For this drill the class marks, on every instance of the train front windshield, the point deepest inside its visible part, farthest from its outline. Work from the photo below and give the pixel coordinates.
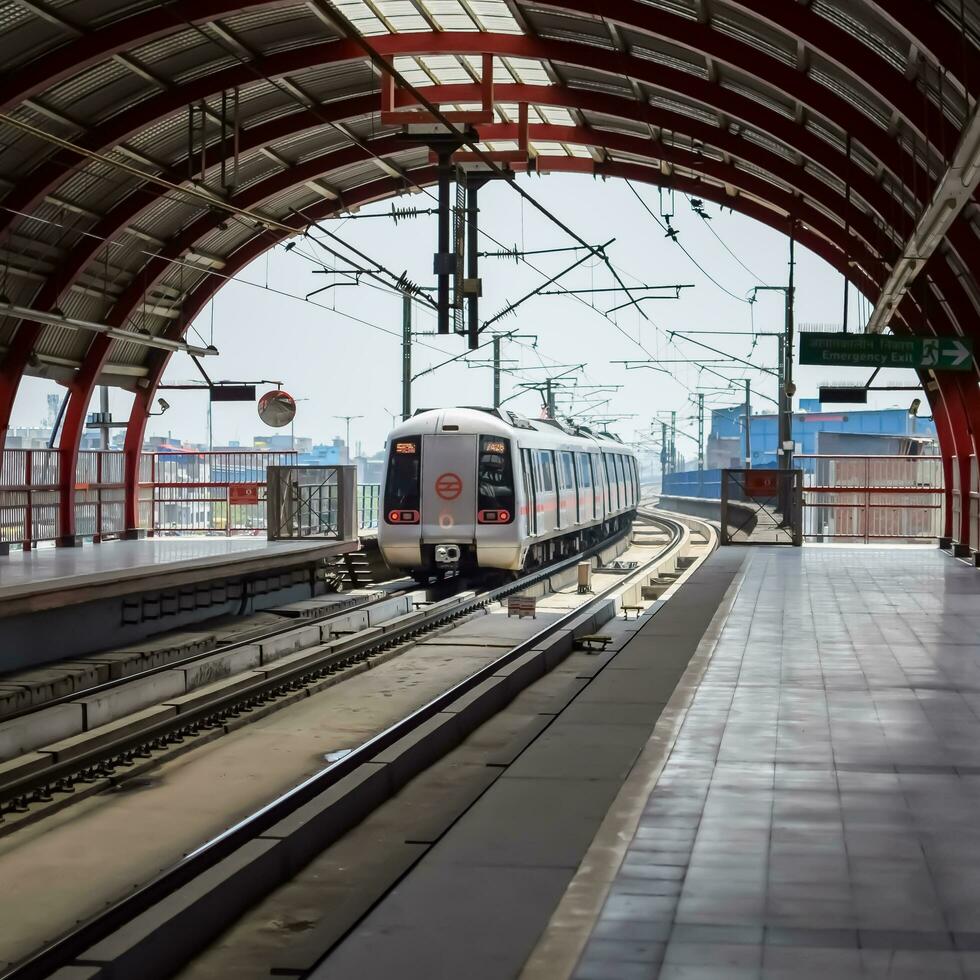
(495, 481)
(402, 483)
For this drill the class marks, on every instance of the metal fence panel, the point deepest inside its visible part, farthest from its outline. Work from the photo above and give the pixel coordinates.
(312, 502)
(761, 506)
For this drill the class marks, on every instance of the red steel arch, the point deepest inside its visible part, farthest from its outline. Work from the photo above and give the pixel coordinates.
(781, 167)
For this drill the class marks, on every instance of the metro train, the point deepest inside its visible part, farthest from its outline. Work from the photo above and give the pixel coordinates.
(482, 488)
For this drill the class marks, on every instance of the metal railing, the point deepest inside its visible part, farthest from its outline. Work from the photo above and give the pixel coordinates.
(179, 494)
(30, 495)
(872, 498)
(368, 504)
(184, 493)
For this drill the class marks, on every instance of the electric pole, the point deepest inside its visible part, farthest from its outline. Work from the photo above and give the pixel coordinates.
(748, 424)
(700, 432)
(663, 454)
(673, 442)
(406, 357)
(347, 419)
(496, 370)
(787, 454)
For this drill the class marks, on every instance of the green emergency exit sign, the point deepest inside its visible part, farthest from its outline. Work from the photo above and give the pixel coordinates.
(879, 350)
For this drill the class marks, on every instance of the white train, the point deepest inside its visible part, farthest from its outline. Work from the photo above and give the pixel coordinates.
(485, 488)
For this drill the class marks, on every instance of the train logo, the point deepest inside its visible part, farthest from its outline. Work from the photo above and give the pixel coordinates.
(449, 486)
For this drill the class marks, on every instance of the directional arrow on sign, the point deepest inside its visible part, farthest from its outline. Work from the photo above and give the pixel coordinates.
(958, 351)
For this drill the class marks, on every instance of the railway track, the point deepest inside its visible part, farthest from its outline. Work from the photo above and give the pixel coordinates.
(96, 759)
(351, 793)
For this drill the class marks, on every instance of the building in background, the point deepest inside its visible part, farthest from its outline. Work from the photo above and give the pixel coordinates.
(866, 432)
(871, 432)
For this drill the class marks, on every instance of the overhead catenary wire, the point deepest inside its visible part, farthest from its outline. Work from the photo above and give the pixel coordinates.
(383, 66)
(265, 224)
(701, 213)
(664, 228)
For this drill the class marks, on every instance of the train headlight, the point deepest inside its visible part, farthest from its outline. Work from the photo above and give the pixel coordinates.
(403, 517)
(493, 517)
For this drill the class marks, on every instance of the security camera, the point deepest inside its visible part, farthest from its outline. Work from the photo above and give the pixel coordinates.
(914, 407)
(164, 404)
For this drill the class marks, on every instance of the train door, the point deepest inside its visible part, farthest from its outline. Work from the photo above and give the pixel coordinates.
(530, 499)
(598, 493)
(449, 488)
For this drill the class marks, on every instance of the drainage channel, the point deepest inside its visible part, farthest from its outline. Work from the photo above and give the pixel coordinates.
(424, 728)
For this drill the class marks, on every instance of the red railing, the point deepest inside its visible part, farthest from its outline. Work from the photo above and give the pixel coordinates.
(211, 492)
(30, 502)
(865, 498)
(208, 492)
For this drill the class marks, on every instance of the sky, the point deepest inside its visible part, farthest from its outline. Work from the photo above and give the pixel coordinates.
(340, 353)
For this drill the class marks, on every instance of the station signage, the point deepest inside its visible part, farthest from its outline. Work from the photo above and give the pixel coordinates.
(880, 350)
(243, 494)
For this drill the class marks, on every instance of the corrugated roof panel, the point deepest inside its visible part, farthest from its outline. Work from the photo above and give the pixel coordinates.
(757, 91)
(826, 130)
(830, 76)
(24, 37)
(311, 143)
(689, 9)
(750, 168)
(22, 151)
(767, 142)
(100, 92)
(668, 55)
(753, 32)
(825, 176)
(674, 104)
(862, 23)
(616, 124)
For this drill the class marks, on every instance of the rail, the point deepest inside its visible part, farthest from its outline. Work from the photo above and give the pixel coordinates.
(179, 493)
(184, 942)
(872, 498)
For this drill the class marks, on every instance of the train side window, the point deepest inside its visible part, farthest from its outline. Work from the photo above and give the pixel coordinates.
(546, 468)
(621, 480)
(610, 502)
(567, 471)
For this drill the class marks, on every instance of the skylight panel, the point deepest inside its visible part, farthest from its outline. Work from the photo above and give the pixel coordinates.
(361, 16)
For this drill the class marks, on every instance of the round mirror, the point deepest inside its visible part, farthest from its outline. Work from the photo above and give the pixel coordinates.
(277, 408)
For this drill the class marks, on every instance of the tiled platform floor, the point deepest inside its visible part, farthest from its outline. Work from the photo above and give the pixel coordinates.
(819, 816)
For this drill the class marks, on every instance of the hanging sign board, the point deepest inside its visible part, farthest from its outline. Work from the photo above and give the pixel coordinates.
(881, 350)
(232, 393)
(842, 395)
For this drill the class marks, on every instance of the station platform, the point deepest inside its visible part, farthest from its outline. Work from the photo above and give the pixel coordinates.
(776, 776)
(58, 602)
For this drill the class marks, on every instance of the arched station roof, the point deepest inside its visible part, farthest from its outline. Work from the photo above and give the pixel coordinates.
(125, 202)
